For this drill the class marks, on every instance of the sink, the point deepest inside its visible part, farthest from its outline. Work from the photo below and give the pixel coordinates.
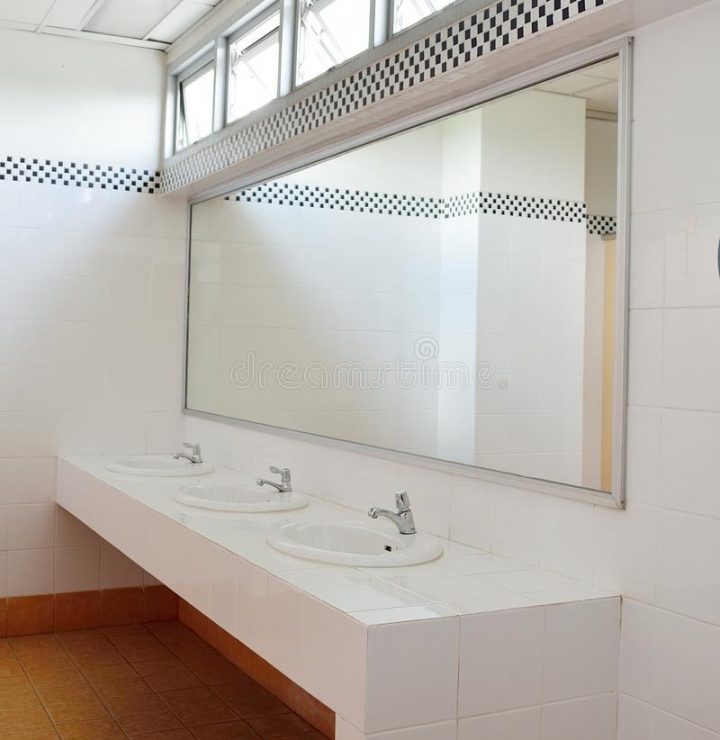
(239, 499)
(157, 465)
(341, 543)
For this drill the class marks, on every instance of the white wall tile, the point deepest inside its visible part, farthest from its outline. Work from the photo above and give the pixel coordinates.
(638, 650)
(71, 532)
(31, 526)
(581, 649)
(668, 727)
(30, 572)
(397, 654)
(117, 570)
(519, 724)
(626, 550)
(592, 718)
(4, 512)
(77, 569)
(3, 574)
(646, 346)
(687, 581)
(691, 359)
(634, 719)
(689, 466)
(501, 656)
(687, 669)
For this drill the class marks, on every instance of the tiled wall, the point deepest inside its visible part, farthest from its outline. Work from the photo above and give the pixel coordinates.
(91, 293)
(662, 552)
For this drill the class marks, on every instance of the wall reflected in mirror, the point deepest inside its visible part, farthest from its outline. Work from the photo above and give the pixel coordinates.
(449, 291)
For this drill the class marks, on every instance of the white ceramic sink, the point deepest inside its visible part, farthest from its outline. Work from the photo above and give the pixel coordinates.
(342, 543)
(158, 465)
(239, 499)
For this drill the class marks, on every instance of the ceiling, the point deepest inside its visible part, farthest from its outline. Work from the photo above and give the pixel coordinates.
(597, 84)
(151, 23)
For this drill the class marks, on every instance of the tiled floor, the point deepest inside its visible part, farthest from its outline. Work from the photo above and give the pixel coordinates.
(159, 681)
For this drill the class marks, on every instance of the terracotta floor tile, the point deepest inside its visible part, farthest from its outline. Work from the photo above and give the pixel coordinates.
(34, 734)
(158, 667)
(75, 693)
(198, 706)
(11, 686)
(128, 687)
(101, 729)
(167, 735)
(66, 677)
(73, 712)
(123, 707)
(143, 724)
(214, 670)
(280, 725)
(23, 720)
(86, 644)
(226, 731)
(172, 633)
(180, 678)
(3, 617)
(123, 630)
(142, 648)
(10, 667)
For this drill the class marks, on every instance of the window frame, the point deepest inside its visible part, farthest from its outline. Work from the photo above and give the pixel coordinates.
(196, 69)
(247, 27)
(391, 18)
(298, 21)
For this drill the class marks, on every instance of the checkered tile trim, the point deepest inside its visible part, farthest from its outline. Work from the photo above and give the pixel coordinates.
(126, 179)
(602, 225)
(492, 28)
(313, 196)
(515, 205)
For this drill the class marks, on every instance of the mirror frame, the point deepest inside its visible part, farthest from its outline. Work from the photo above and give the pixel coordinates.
(615, 498)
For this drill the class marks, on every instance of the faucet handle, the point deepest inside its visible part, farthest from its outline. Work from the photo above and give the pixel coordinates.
(193, 446)
(402, 501)
(284, 472)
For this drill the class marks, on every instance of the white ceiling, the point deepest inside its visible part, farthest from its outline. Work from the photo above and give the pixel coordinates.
(152, 23)
(597, 84)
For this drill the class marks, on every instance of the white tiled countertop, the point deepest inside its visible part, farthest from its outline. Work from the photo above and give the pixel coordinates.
(463, 581)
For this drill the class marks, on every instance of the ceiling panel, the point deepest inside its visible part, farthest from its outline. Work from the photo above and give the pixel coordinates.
(183, 16)
(130, 18)
(24, 11)
(68, 13)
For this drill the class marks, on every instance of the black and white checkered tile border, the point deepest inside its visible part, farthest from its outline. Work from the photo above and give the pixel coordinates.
(514, 205)
(125, 179)
(602, 225)
(314, 196)
(482, 33)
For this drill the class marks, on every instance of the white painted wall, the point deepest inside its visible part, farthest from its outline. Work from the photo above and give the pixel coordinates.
(663, 552)
(91, 293)
(80, 101)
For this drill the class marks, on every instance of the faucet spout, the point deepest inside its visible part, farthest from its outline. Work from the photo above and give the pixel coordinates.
(285, 485)
(402, 518)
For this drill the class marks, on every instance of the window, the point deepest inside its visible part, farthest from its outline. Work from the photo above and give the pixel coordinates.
(330, 32)
(408, 12)
(254, 60)
(196, 93)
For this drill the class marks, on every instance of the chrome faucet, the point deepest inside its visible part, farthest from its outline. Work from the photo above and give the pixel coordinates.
(403, 519)
(285, 485)
(195, 455)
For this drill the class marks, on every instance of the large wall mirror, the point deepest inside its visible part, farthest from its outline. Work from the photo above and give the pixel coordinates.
(455, 291)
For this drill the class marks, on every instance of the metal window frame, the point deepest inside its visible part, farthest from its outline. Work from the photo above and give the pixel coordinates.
(196, 69)
(372, 20)
(244, 29)
(622, 48)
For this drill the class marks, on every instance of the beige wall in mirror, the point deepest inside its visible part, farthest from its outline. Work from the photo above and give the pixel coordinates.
(448, 292)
